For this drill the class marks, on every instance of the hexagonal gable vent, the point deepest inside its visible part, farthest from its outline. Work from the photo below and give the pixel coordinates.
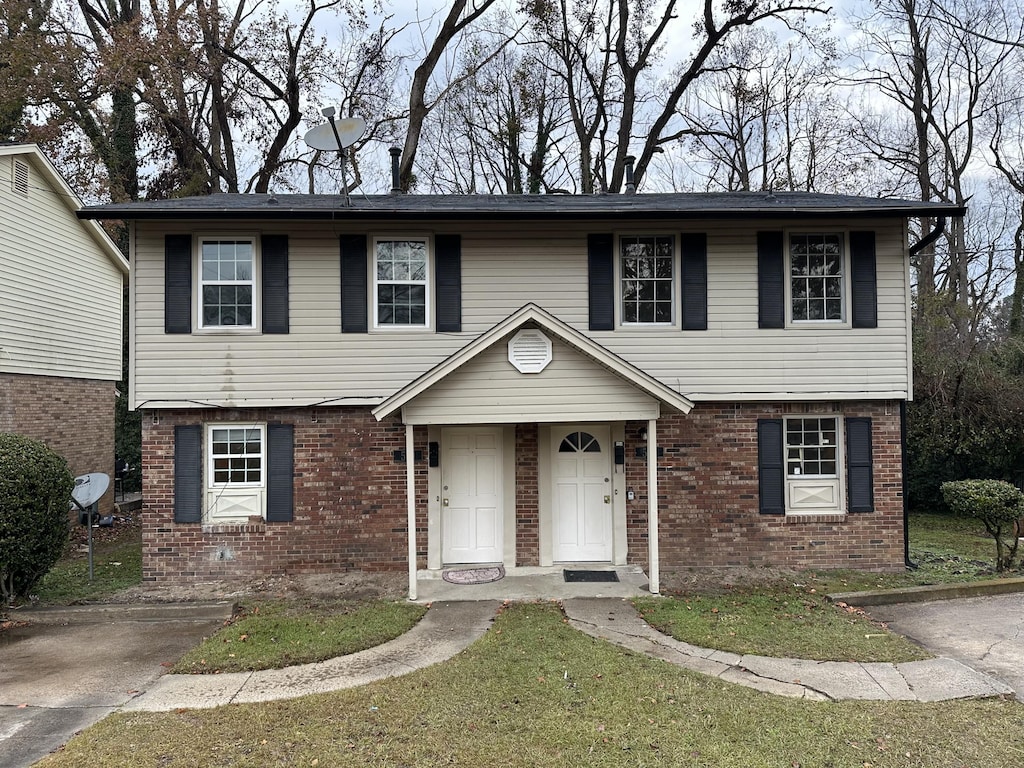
(529, 351)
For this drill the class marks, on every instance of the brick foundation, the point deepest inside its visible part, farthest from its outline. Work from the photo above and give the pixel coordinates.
(350, 503)
(74, 417)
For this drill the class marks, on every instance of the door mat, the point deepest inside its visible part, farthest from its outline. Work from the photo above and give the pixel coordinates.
(474, 575)
(571, 576)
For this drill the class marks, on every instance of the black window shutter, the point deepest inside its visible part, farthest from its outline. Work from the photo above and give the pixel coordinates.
(771, 276)
(177, 283)
(448, 275)
(863, 280)
(694, 280)
(353, 284)
(280, 472)
(859, 466)
(188, 474)
(600, 276)
(770, 467)
(274, 254)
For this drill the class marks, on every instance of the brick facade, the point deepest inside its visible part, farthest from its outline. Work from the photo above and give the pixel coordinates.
(349, 493)
(74, 417)
(708, 495)
(351, 512)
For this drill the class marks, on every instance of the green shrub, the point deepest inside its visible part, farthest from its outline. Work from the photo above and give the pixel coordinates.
(35, 491)
(997, 504)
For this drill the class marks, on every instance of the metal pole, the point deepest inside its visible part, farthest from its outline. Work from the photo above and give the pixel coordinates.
(88, 520)
(341, 151)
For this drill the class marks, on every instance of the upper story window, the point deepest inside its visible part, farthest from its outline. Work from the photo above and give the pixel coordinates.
(401, 286)
(646, 279)
(227, 280)
(817, 275)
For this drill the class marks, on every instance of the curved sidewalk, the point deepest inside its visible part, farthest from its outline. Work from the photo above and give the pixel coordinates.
(450, 627)
(445, 630)
(939, 679)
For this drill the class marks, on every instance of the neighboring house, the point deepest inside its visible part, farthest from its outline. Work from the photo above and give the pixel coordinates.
(667, 380)
(61, 306)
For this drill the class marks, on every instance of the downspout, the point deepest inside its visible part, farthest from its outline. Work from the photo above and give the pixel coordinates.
(916, 248)
(903, 473)
(931, 237)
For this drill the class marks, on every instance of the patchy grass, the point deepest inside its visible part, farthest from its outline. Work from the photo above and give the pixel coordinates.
(794, 621)
(271, 635)
(117, 565)
(788, 615)
(534, 692)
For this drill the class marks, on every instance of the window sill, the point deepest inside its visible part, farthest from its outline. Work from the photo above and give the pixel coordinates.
(815, 517)
(253, 525)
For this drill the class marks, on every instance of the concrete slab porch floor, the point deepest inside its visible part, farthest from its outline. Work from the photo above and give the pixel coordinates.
(533, 583)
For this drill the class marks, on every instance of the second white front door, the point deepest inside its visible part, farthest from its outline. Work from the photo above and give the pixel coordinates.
(582, 494)
(471, 501)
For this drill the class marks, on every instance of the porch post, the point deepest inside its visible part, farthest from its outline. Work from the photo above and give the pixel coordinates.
(652, 506)
(410, 495)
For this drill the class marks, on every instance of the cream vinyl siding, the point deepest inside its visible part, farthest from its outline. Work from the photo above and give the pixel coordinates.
(505, 266)
(60, 293)
(489, 390)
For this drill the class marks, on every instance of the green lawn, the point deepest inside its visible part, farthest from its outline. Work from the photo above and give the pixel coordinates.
(275, 634)
(534, 692)
(117, 565)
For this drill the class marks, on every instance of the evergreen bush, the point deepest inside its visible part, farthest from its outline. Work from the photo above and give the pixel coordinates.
(997, 504)
(35, 493)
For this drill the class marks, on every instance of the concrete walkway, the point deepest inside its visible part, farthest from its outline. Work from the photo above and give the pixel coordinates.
(938, 679)
(445, 630)
(450, 627)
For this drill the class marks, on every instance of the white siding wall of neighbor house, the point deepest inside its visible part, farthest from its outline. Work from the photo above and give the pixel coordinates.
(505, 266)
(60, 294)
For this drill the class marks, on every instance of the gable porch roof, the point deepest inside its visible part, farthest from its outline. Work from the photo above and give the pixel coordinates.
(531, 315)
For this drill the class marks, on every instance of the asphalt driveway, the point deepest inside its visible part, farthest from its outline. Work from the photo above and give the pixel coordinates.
(986, 633)
(70, 669)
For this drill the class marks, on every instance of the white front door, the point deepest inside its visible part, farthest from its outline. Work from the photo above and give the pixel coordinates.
(471, 494)
(582, 496)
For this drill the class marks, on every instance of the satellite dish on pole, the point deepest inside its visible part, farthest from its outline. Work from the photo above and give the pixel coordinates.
(336, 135)
(324, 138)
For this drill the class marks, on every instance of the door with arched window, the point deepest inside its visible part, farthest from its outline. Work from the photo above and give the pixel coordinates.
(582, 494)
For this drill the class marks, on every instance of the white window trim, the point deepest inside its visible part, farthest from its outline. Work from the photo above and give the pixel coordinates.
(787, 256)
(240, 495)
(617, 277)
(428, 310)
(838, 480)
(197, 271)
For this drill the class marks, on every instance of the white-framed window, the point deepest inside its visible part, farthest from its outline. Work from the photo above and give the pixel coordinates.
(401, 282)
(818, 276)
(227, 282)
(813, 458)
(646, 274)
(236, 471)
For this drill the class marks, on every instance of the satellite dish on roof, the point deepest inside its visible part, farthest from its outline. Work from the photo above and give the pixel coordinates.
(336, 134)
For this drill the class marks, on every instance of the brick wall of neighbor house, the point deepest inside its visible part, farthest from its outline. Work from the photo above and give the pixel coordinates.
(527, 499)
(74, 417)
(708, 495)
(349, 497)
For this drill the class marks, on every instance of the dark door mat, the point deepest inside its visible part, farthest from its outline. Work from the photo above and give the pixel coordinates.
(572, 576)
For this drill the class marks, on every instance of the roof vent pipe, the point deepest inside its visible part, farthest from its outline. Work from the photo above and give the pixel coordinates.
(630, 185)
(396, 178)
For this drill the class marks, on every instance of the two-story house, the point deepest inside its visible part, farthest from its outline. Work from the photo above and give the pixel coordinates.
(664, 380)
(61, 307)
